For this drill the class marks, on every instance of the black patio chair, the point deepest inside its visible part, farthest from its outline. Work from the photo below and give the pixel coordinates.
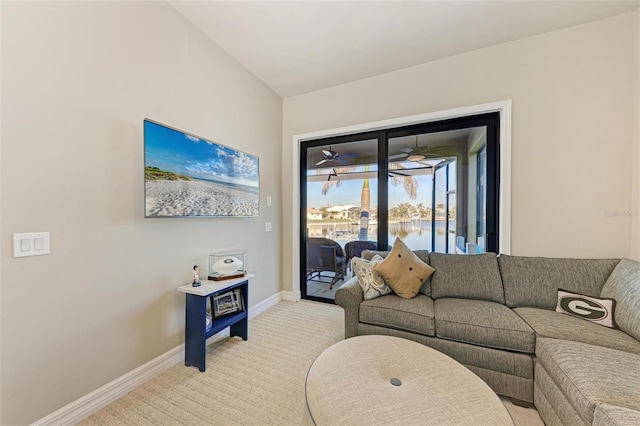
(355, 248)
(325, 255)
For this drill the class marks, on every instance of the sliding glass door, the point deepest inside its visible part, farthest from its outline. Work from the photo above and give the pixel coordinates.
(433, 185)
(340, 210)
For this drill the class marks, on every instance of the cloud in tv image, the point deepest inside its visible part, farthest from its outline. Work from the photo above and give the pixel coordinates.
(190, 176)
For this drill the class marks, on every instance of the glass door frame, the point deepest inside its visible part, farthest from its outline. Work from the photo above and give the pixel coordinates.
(382, 186)
(447, 194)
(492, 122)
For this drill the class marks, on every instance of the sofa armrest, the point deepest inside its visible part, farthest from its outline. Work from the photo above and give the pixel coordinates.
(349, 296)
(623, 285)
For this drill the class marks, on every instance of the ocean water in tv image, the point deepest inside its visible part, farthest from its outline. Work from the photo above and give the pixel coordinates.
(190, 176)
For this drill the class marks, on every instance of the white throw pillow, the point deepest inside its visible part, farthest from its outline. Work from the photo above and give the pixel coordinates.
(371, 282)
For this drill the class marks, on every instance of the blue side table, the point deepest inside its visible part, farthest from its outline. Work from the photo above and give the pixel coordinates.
(196, 329)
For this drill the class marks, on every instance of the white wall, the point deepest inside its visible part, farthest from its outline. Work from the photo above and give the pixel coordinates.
(572, 133)
(635, 196)
(1, 251)
(78, 78)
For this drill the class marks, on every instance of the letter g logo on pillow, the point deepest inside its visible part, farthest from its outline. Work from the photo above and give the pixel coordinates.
(599, 311)
(582, 307)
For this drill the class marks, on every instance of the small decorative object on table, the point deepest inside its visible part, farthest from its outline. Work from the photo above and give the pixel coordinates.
(227, 266)
(196, 276)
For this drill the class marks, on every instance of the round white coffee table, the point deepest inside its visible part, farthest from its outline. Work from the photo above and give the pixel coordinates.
(367, 380)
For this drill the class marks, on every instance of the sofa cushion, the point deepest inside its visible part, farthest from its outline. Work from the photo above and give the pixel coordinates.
(589, 375)
(466, 277)
(482, 323)
(594, 309)
(611, 415)
(414, 315)
(422, 255)
(403, 271)
(371, 282)
(624, 285)
(534, 281)
(559, 326)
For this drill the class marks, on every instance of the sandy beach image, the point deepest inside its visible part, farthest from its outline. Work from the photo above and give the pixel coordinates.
(198, 198)
(188, 176)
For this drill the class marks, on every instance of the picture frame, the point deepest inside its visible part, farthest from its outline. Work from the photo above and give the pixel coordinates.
(186, 175)
(228, 303)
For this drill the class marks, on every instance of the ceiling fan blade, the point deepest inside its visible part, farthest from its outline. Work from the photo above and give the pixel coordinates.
(327, 153)
(349, 155)
(406, 150)
(393, 157)
(321, 162)
(341, 161)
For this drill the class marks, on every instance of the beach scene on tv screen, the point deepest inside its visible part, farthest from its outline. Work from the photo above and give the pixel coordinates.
(189, 176)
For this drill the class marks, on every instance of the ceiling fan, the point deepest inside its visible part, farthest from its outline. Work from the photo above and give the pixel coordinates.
(332, 156)
(419, 153)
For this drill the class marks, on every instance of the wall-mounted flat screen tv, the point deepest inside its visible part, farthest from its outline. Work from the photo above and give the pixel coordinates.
(189, 176)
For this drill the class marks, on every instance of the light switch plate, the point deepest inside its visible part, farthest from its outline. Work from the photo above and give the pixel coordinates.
(30, 244)
(267, 227)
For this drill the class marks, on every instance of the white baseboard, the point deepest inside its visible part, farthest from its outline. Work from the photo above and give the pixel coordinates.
(267, 303)
(83, 407)
(291, 296)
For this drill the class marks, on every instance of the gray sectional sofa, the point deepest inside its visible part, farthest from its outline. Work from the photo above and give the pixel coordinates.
(496, 315)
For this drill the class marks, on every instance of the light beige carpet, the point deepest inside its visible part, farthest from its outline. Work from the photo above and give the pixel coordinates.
(260, 381)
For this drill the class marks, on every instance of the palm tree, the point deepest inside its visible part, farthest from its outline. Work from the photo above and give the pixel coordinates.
(365, 207)
(409, 183)
(404, 209)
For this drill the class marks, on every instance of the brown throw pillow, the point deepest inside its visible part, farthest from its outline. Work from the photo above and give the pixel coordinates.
(403, 271)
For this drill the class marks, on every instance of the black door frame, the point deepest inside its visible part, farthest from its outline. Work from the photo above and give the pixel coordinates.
(304, 146)
(490, 120)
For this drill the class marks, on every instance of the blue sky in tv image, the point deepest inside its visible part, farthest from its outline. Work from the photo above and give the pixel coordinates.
(184, 154)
